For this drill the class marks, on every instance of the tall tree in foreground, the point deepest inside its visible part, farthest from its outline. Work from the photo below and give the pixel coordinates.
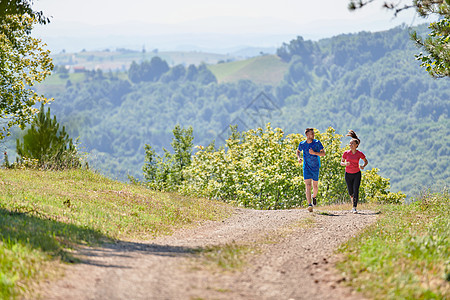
(436, 60)
(21, 7)
(23, 62)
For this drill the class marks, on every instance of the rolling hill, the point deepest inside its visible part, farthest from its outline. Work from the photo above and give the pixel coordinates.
(266, 69)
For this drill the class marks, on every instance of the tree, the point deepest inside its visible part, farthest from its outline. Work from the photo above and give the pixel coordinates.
(437, 62)
(21, 7)
(176, 73)
(23, 62)
(148, 70)
(134, 72)
(205, 76)
(182, 146)
(46, 143)
(166, 172)
(437, 44)
(156, 68)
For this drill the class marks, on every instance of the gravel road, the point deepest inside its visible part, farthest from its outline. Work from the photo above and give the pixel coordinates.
(295, 261)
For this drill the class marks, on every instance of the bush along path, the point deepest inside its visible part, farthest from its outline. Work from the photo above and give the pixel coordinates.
(254, 254)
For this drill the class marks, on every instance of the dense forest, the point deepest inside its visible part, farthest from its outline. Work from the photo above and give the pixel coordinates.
(368, 82)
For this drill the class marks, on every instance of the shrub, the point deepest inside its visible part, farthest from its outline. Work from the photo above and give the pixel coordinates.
(45, 146)
(258, 169)
(165, 172)
(375, 189)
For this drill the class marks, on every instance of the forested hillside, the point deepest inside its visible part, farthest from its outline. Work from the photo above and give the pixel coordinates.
(368, 82)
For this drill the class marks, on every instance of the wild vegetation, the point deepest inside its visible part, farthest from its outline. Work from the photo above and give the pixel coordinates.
(405, 254)
(257, 169)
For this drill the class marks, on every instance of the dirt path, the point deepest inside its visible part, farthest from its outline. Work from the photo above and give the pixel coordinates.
(297, 266)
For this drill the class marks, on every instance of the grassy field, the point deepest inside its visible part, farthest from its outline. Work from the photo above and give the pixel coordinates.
(44, 215)
(268, 69)
(405, 254)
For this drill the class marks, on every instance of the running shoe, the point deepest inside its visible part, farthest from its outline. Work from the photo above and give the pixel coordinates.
(354, 210)
(310, 208)
(314, 201)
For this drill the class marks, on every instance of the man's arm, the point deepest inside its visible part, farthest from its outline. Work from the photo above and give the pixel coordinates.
(299, 156)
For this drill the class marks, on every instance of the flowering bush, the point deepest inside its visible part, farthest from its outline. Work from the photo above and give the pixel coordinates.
(259, 169)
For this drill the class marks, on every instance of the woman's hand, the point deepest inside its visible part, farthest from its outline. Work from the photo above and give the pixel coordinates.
(361, 167)
(345, 163)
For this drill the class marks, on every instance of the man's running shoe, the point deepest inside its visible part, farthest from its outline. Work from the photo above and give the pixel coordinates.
(314, 201)
(310, 208)
(354, 210)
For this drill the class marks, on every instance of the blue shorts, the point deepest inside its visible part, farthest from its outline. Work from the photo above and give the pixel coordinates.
(310, 174)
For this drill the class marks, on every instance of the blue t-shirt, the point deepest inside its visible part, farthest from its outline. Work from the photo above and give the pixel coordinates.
(310, 161)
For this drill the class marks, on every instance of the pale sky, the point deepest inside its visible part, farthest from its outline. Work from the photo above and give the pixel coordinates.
(175, 11)
(313, 19)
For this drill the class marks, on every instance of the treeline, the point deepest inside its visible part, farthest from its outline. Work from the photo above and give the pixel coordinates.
(157, 69)
(368, 82)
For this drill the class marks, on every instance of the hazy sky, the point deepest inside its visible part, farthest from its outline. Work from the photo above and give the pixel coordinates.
(176, 11)
(312, 19)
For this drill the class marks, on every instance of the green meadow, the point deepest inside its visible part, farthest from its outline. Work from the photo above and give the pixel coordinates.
(267, 69)
(45, 215)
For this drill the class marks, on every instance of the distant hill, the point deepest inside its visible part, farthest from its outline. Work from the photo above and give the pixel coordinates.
(266, 69)
(121, 59)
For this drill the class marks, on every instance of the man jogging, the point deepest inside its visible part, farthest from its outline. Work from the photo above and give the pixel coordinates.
(312, 150)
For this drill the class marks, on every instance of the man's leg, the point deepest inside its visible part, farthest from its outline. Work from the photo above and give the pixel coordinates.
(308, 184)
(315, 190)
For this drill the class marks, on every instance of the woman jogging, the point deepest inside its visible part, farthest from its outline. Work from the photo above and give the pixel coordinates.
(350, 159)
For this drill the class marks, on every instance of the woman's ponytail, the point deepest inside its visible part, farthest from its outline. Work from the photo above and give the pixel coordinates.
(353, 135)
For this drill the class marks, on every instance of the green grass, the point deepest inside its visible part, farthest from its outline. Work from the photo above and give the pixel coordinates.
(55, 83)
(44, 215)
(405, 254)
(268, 69)
(228, 257)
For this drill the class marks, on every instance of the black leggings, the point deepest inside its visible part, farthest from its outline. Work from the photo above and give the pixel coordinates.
(353, 182)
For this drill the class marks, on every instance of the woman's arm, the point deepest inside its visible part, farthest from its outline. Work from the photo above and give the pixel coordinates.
(365, 164)
(344, 162)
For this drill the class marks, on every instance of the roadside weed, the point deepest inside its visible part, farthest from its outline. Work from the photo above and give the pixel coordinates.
(405, 254)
